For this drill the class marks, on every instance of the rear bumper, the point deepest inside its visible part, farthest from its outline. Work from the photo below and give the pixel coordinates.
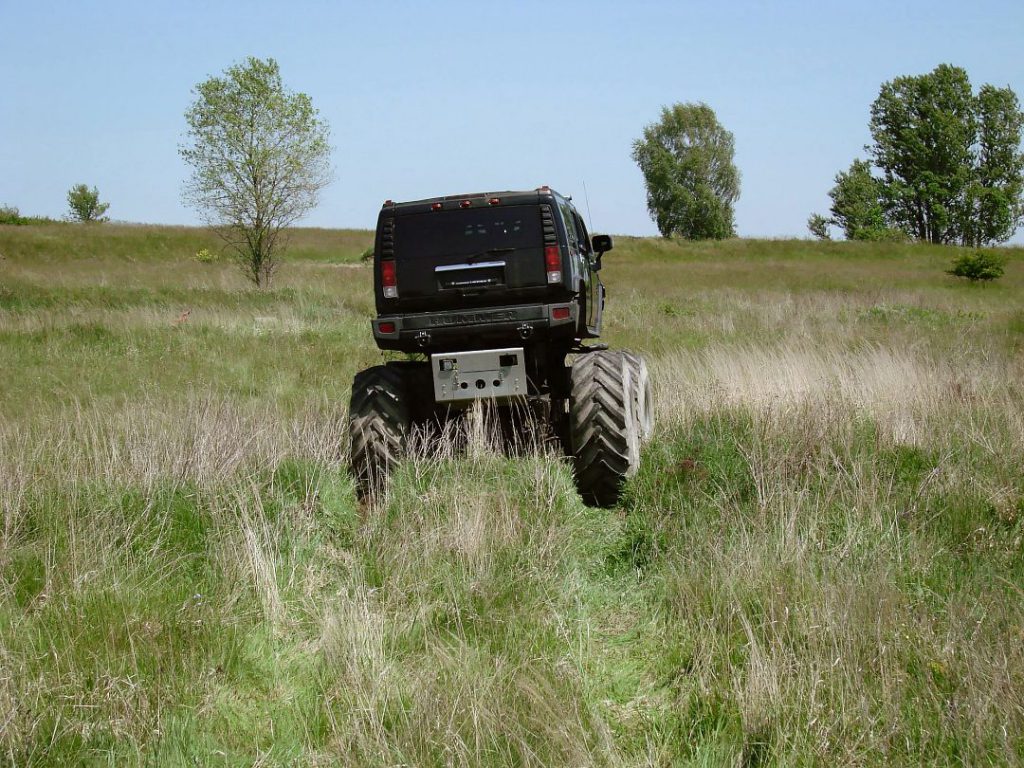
(475, 328)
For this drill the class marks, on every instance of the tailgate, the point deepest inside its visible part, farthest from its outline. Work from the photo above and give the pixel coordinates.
(472, 256)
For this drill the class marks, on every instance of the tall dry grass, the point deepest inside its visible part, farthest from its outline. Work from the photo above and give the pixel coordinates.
(836, 544)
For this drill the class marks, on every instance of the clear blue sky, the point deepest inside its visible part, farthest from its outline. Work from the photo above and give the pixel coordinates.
(448, 97)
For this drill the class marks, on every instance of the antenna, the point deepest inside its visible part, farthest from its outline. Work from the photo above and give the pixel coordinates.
(590, 219)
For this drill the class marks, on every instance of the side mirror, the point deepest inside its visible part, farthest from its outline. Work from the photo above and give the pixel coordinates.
(601, 244)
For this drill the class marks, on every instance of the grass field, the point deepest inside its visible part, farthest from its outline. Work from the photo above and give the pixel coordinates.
(821, 560)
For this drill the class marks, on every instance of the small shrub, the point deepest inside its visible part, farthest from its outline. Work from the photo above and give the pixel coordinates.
(9, 214)
(818, 226)
(878, 234)
(367, 255)
(892, 235)
(204, 256)
(977, 266)
(84, 204)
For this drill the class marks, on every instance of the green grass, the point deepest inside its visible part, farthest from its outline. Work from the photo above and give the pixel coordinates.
(821, 560)
(63, 242)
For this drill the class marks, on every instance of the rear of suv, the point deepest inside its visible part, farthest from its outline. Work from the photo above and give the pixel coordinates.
(493, 295)
(492, 267)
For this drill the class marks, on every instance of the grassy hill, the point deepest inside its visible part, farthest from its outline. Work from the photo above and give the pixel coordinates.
(821, 560)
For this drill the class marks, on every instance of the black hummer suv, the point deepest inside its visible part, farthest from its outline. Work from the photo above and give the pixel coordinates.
(497, 292)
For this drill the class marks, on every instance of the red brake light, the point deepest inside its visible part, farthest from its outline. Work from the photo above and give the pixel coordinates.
(552, 258)
(553, 263)
(494, 201)
(435, 207)
(465, 204)
(388, 327)
(389, 279)
(560, 313)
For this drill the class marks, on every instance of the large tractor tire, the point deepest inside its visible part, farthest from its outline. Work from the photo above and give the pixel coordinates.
(642, 394)
(603, 426)
(379, 419)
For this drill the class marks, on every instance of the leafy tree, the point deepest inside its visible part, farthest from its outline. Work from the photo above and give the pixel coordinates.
(84, 204)
(950, 162)
(923, 129)
(260, 156)
(858, 207)
(979, 266)
(692, 182)
(995, 205)
(856, 202)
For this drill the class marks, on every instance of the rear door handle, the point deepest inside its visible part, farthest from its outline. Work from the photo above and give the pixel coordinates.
(479, 265)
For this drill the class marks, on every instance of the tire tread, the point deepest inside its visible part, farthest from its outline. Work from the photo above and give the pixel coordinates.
(602, 426)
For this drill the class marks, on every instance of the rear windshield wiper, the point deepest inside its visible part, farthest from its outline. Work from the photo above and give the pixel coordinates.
(489, 252)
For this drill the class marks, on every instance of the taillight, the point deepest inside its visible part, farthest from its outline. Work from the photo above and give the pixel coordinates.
(560, 313)
(389, 279)
(386, 327)
(553, 263)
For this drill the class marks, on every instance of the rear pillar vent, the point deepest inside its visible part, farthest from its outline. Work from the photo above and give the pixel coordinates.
(547, 221)
(387, 239)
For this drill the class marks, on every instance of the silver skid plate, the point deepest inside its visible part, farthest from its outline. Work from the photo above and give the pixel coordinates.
(498, 374)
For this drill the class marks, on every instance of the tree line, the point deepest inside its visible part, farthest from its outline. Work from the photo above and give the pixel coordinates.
(944, 166)
(84, 206)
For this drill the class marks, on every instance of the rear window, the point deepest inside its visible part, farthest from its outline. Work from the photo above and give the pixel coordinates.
(468, 231)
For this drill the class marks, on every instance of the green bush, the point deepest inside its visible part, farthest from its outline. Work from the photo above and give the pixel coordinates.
(818, 226)
(884, 235)
(9, 214)
(367, 255)
(977, 266)
(84, 204)
(205, 256)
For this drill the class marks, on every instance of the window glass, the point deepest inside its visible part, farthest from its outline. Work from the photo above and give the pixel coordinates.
(466, 232)
(584, 236)
(570, 224)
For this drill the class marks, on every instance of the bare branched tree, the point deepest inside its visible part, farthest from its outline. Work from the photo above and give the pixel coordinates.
(260, 156)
